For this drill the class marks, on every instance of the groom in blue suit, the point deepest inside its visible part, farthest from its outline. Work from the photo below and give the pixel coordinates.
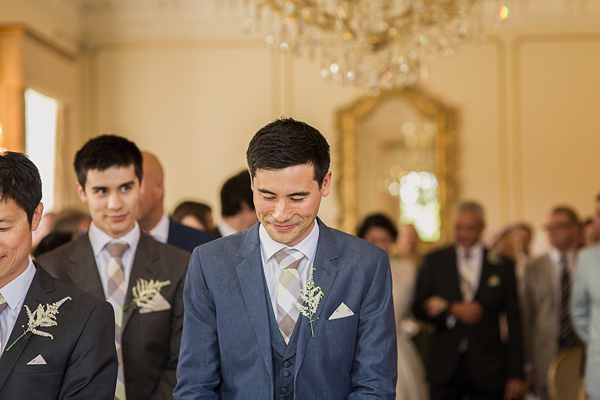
(244, 337)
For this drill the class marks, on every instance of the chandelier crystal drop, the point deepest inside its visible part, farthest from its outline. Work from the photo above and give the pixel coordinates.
(372, 43)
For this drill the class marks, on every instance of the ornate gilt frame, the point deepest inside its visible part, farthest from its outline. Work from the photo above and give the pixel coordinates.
(347, 119)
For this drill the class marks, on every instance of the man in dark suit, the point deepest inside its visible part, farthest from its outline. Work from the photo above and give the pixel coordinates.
(115, 258)
(463, 289)
(237, 205)
(151, 215)
(244, 336)
(71, 357)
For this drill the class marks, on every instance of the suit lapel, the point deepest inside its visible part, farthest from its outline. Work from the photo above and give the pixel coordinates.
(83, 270)
(454, 274)
(324, 276)
(486, 272)
(146, 266)
(40, 285)
(250, 274)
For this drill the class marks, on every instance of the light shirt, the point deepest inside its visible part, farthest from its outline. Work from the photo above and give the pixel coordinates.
(555, 256)
(99, 240)
(225, 229)
(161, 231)
(14, 293)
(272, 269)
(474, 263)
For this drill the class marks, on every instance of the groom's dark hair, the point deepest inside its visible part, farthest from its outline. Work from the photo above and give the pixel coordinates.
(286, 143)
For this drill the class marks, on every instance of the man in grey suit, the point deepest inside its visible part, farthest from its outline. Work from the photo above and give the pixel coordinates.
(546, 301)
(72, 356)
(244, 335)
(142, 278)
(585, 310)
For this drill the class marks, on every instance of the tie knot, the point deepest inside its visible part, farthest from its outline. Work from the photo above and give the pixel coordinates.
(116, 250)
(3, 304)
(289, 258)
(467, 254)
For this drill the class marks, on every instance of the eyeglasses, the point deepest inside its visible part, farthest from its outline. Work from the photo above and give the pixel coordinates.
(560, 225)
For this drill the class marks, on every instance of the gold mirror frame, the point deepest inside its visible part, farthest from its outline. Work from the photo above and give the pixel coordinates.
(347, 120)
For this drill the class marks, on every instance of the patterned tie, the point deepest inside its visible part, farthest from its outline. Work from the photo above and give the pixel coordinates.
(466, 273)
(117, 290)
(3, 305)
(288, 290)
(567, 335)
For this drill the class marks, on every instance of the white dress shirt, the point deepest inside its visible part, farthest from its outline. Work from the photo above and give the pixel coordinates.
(272, 269)
(225, 229)
(474, 263)
(99, 240)
(161, 231)
(14, 293)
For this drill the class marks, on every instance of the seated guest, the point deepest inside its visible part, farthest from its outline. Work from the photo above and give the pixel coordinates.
(115, 257)
(70, 355)
(195, 215)
(151, 212)
(380, 230)
(237, 205)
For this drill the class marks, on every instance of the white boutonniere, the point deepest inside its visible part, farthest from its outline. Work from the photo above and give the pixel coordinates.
(493, 281)
(146, 295)
(41, 318)
(310, 296)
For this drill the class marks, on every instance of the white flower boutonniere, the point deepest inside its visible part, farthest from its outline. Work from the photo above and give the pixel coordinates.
(494, 257)
(145, 294)
(493, 281)
(41, 318)
(310, 295)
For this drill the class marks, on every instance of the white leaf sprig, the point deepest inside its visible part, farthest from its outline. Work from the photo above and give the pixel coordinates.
(310, 295)
(41, 318)
(144, 292)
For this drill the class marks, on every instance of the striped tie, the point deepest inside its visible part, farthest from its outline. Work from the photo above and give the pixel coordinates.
(3, 305)
(567, 335)
(466, 274)
(288, 290)
(116, 290)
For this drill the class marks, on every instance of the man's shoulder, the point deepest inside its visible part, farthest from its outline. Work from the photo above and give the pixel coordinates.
(442, 252)
(185, 237)
(589, 256)
(63, 253)
(541, 261)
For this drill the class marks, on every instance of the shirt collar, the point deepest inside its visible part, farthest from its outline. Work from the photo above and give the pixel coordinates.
(161, 231)
(308, 245)
(556, 255)
(225, 229)
(475, 250)
(15, 290)
(99, 239)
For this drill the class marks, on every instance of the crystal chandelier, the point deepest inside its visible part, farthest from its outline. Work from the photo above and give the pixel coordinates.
(371, 43)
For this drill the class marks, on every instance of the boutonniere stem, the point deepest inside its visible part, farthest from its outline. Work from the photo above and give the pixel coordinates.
(41, 318)
(310, 295)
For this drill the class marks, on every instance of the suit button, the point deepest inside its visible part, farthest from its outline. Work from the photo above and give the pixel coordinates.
(283, 390)
(286, 364)
(286, 374)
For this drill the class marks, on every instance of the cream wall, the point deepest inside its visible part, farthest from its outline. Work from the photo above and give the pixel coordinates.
(527, 99)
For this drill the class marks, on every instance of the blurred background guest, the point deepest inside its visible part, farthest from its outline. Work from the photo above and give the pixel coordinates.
(589, 235)
(380, 230)
(46, 226)
(237, 205)
(68, 225)
(195, 215)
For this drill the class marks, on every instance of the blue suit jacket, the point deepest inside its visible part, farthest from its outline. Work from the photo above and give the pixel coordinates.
(186, 238)
(226, 344)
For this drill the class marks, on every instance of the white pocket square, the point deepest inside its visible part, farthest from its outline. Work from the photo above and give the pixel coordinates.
(39, 360)
(341, 312)
(158, 303)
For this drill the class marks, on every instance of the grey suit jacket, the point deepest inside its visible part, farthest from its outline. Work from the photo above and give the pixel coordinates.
(226, 348)
(150, 341)
(81, 361)
(540, 319)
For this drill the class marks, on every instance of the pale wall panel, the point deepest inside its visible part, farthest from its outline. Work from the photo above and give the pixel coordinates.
(560, 123)
(196, 107)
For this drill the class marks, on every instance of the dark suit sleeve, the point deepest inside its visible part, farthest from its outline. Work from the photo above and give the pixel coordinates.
(167, 382)
(199, 362)
(92, 369)
(515, 334)
(425, 288)
(375, 363)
